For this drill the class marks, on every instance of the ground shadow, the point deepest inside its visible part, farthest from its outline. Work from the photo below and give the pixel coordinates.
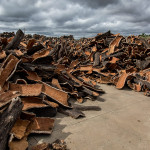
(126, 88)
(57, 133)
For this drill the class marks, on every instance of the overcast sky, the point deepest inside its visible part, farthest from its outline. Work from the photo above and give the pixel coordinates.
(77, 17)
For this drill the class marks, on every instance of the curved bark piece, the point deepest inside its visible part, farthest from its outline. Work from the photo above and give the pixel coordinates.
(122, 80)
(32, 102)
(40, 54)
(56, 94)
(34, 49)
(43, 125)
(114, 44)
(56, 84)
(16, 40)
(20, 128)
(30, 43)
(6, 97)
(33, 76)
(18, 144)
(27, 89)
(7, 69)
(52, 104)
(42, 57)
(96, 59)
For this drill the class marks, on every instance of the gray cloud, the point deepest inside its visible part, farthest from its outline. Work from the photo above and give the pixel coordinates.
(18, 8)
(96, 3)
(77, 17)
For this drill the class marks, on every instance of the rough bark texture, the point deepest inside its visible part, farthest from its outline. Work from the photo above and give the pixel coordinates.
(96, 59)
(7, 120)
(16, 41)
(145, 43)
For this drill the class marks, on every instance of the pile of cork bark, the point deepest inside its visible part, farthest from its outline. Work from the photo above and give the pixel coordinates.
(40, 76)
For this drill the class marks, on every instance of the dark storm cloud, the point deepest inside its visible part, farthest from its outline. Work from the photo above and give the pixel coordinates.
(13, 19)
(18, 8)
(96, 3)
(78, 17)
